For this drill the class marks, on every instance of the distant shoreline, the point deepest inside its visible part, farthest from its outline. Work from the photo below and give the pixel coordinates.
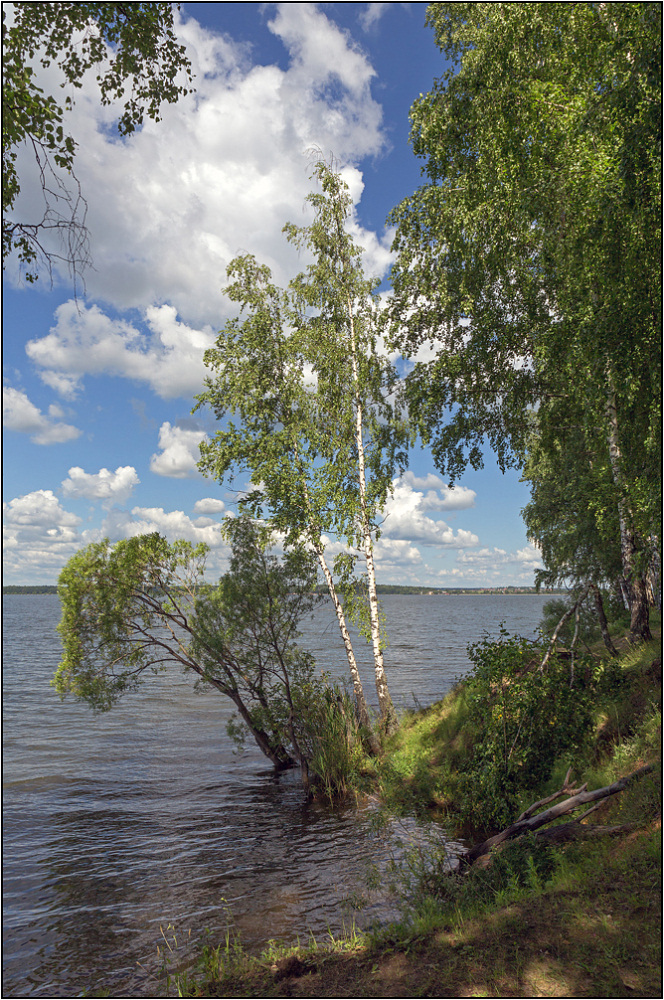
(384, 589)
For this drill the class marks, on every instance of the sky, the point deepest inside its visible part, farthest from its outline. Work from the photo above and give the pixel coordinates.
(99, 381)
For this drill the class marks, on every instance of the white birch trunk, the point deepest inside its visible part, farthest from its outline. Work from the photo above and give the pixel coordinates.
(638, 601)
(360, 701)
(387, 712)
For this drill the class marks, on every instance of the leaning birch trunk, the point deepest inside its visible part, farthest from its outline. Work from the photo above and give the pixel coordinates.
(360, 701)
(639, 630)
(361, 706)
(387, 712)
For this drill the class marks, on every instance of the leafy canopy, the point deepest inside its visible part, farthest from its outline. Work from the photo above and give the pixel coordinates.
(531, 254)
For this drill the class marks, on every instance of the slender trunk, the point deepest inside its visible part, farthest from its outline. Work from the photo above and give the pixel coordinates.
(601, 618)
(388, 715)
(361, 706)
(622, 592)
(654, 576)
(639, 630)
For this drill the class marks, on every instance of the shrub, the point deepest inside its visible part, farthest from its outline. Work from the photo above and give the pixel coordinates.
(522, 719)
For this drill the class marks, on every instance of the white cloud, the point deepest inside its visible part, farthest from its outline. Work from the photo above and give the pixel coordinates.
(38, 537)
(493, 562)
(66, 386)
(404, 515)
(103, 485)
(19, 414)
(391, 552)
(172, 525)
(439, 495)
(179, 452)
(85, 341)
(209, 505)
(373, 14)
(223, 170)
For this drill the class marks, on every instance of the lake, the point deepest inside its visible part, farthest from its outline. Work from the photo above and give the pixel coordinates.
(119, 825)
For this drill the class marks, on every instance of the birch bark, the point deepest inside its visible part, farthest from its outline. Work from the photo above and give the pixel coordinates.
(387, 712)
(639, 630)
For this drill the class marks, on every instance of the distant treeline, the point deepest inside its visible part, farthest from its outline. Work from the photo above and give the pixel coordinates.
(384, 588)
(442, 591)
(387, 588)
(36, 589)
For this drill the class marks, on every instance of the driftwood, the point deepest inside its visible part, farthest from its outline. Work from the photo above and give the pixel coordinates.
(528, 822)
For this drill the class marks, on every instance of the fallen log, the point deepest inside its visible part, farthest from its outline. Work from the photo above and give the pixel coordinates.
(529, 823)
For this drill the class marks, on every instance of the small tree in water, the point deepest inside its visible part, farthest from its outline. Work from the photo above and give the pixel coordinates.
(141, 606)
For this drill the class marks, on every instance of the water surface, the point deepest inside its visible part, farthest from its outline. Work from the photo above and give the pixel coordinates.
(118, 824)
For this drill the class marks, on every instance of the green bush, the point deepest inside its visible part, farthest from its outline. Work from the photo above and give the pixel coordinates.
(522, 719)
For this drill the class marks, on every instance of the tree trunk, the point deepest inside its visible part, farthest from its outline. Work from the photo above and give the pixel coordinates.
(654, 576)
(360, 701)
(601, 618)
(388, 715)
(361, 707)
(277, 754)
(639, 630)
(529, 823)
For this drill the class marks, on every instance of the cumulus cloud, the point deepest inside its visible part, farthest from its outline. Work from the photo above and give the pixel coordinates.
(39, 535)
(19, 414)
(391, 552)
(172, 525)
(405, 518)
(209, 505)
(439, 495)
(103, 485)
(86, 341)
(224, 169)
(179, 452)
(493, 564)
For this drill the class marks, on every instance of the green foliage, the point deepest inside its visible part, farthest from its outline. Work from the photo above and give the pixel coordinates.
(142, 605)
(139, 60)
(112, 598)
(330, 738)
(531, 257)
(305, 396)
(283, 379)
(554, 610)
(522, 719)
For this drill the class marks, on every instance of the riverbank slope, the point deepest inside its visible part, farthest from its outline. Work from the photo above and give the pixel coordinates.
(582, 920)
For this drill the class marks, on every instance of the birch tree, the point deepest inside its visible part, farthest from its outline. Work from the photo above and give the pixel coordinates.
(258, 385)
(307, 397)
(531, 254)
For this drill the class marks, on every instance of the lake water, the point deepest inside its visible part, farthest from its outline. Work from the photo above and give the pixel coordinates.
(121, 824)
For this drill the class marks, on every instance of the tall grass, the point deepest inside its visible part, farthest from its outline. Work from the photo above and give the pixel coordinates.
(333, 742)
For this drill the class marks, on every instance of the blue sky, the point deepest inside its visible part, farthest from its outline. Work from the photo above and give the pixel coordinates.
(98, 390)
